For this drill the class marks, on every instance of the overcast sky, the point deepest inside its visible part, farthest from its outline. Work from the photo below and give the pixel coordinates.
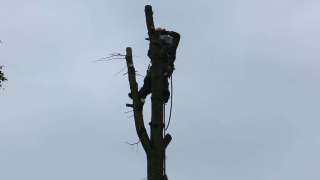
(246, 89)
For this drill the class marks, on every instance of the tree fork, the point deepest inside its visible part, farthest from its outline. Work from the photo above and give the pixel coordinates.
(155, 145)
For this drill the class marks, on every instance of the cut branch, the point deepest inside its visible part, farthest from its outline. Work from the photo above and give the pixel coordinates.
(166, 141)
(149, 20)
(138, 115)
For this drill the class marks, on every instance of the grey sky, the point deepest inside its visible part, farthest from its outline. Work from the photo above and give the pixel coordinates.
(246, 89)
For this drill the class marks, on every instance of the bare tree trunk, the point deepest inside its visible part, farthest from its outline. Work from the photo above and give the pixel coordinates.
(157, 79)
(155, 145)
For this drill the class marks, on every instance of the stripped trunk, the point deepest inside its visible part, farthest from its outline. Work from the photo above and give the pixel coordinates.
(155, 145)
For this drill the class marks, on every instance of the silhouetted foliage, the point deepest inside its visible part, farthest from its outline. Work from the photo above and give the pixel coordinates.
(2, 77)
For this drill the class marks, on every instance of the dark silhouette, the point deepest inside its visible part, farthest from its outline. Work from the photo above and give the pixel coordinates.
(162, 58)
(168, 43)
(2, 77)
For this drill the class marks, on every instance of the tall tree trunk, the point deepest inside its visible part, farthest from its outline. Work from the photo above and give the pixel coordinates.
(157, 79)
(155, 145)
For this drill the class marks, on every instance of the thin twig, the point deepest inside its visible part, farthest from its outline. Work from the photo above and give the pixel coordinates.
(140, 75)
(109, 59)
(126, 112)
(112, 56)
(122, 69)
(130, 116)
(117, 54)
(132, 144)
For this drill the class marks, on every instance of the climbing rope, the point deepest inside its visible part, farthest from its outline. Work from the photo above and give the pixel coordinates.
(168, 124)
(171, 102)
(164, 133)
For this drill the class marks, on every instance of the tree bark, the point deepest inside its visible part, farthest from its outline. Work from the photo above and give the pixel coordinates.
(157, 79)
(138, 116)
(155, 145)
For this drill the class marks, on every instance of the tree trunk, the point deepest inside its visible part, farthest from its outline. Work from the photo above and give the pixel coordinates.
(157, 79)
(155, 145)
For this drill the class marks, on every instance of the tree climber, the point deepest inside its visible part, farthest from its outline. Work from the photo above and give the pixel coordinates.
(169, 41)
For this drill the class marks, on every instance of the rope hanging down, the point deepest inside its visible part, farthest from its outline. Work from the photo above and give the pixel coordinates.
(164, 133)
(171, 102)
(167, 126)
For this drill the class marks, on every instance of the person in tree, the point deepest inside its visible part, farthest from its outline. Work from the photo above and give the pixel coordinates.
(168, 42)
